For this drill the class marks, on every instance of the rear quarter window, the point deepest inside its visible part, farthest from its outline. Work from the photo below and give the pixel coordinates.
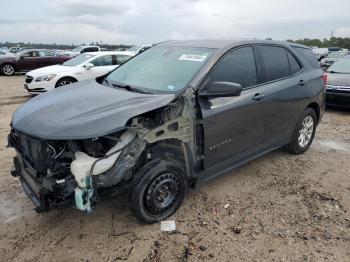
(308, 55)
(293, 63)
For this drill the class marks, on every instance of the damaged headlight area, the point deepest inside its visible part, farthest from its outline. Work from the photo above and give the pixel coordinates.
(54, 173)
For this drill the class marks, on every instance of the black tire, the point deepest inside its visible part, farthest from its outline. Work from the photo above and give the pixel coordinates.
(8, 69)
(295, 146)
(159, 190)
(65, 81)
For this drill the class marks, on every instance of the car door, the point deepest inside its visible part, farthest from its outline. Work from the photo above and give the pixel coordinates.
(233, 125)
(46, 59)
(282, 73)
(102, 65)
(28, 61)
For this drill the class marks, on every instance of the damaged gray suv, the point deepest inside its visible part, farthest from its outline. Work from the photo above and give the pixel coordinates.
(172, 117)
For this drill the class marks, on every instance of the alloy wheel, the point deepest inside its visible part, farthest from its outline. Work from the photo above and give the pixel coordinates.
(8, 70)
(306, 131)
(65, 82)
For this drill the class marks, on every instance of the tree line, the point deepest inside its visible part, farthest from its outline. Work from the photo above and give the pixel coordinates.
(332, 42)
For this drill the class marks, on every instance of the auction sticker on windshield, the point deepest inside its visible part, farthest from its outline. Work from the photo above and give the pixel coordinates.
(196, 58)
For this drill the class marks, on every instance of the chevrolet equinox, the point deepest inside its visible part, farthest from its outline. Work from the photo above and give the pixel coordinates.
(172, 117)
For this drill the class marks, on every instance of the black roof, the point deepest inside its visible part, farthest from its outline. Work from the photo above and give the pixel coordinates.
(224, 43)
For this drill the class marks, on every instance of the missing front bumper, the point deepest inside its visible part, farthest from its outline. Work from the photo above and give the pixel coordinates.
(44, 194)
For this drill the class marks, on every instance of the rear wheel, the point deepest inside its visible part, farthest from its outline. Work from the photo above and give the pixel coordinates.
(65, 81)
(8, 69)
(304, 132)
(159, 191)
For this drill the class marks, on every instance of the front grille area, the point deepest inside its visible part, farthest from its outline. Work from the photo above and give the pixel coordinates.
(28, 79)
(31, 149)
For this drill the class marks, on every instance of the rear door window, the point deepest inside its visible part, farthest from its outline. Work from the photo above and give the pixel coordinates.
(106, 60)
(122, 59)
(237, 66)
(44, 53)
(275, 62)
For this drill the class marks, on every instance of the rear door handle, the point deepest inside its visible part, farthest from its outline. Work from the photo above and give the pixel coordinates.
(302, 82)
(258, 96)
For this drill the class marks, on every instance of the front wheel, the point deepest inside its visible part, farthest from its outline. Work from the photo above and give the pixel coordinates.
(304, 132)
(159, 192)
(65, 81)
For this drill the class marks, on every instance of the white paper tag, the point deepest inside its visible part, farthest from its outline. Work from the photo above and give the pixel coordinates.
(196, 58)
(168, 226)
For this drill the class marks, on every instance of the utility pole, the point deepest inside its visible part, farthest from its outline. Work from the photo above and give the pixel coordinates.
(332, 33)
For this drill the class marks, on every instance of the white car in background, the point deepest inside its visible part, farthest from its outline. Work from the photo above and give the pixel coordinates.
(83, 67)
(4, 52)
(81, 50)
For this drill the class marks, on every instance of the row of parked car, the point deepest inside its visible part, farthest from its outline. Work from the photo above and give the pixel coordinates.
(327, 56)
(335, 62)
(48, 69)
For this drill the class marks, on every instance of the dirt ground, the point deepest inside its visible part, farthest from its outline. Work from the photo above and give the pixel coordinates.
(281, 207)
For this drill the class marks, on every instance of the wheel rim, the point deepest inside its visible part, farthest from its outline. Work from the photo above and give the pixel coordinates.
(65, 82)
(8, 70)
(162, 193)
(306, 131)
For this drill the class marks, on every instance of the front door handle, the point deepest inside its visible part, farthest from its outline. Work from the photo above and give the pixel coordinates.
(258, 96)
(302, 82)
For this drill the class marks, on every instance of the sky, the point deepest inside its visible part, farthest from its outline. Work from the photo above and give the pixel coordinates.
(152, 21)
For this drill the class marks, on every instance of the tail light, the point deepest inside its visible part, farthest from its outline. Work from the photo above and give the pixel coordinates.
(324, 78)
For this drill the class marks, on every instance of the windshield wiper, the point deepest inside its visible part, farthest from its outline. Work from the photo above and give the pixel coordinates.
(106, 81)
(129, 88)
(123, 86)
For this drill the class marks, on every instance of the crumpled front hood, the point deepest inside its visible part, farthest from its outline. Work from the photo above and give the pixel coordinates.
(83, 110)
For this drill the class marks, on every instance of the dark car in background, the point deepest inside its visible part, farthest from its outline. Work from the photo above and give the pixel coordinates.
(174, 116)
(338, 83)
(28, 60)
(332, 58)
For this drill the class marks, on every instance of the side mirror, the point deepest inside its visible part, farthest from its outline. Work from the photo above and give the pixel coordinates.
(88, 66)
(222, 89)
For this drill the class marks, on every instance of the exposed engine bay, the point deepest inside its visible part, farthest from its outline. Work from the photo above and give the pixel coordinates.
(58, 172)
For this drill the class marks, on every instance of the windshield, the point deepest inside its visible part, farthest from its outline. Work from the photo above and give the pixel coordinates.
(78, 60)
(341, 66)
(161, 69)
(77, 49)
